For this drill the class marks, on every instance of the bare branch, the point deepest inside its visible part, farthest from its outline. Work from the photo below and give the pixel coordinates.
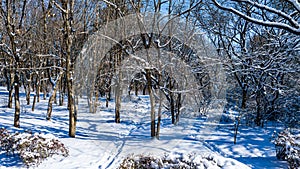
(295, 3)
(59, 7)
(294, 26)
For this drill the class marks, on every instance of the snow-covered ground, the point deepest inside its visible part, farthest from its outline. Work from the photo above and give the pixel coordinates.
(101, 143)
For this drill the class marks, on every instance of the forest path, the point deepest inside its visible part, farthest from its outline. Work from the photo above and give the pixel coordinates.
(132, 135)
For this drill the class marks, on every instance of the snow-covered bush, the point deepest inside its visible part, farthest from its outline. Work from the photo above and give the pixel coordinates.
(32, 148)
(288, 147)
(177, 160)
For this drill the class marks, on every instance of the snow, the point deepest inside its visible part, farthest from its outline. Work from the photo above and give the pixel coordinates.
(101, 143)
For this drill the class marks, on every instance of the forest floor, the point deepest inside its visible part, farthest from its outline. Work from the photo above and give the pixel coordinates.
(101, 143)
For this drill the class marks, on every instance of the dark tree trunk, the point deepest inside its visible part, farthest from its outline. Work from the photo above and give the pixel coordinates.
(10, 98)
(9, 82)
(107, 98)
(178, 106)
(172, 107)
(38, 89)
(258, 109)
(17, 102)
(33, 103)
(61, 93)
(136, 89)
(172, 103)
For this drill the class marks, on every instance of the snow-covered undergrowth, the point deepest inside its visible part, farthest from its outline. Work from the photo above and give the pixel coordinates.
(32, 148)
(178, 160)
(288, 147)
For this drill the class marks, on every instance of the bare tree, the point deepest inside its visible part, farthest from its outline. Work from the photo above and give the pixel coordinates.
(13, 15)
(67, 11)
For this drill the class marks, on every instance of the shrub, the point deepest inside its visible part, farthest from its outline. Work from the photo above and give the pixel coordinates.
(32, 148)
(177, 161)
(288, 147)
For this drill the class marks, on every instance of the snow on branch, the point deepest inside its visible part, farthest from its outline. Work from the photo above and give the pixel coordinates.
(59, 7)
(293, 26)
(296, 4)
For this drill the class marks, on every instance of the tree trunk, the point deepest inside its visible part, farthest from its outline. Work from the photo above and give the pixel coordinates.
(72, 115)
(107, 95)
(236, 129)
(118, 107)
(28, 95)
(44, 87)
(17, 102)
(96, 100)
(152, 101)
(159, 107)
(55, 98)
(10, 88)
(90, 100)
(238, 120)
(172, 106)
(61, 94)
(118, 90)
(258, 109)
(10, 98)
(178, 106)
(52, 97)
(9, 82)
(76, 102)
(159, 115)
(67, 14)
(38, 89)
(33, 103)
(27, 91)
(136, 89)
(27, 86)
(144, 90)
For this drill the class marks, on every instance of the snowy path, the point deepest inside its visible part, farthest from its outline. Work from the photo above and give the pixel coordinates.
(109, 143)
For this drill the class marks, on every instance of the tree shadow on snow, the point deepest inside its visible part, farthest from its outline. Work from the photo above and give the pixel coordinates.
(10, 160)
(253, 146)
(263, 162)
